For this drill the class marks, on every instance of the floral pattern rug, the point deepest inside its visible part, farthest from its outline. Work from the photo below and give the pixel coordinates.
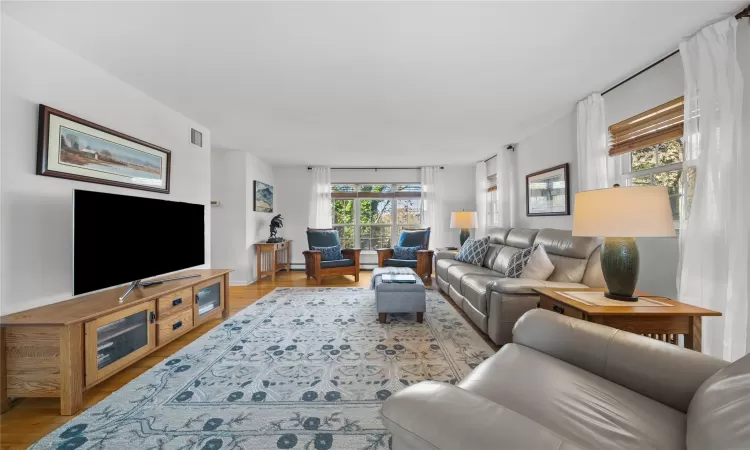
(302, 368)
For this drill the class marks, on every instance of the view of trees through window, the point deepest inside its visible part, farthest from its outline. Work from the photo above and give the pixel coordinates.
(367, 220)
(661, 165)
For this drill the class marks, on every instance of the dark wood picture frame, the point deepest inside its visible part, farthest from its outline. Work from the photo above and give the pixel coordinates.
(566, 171)
(43, 152)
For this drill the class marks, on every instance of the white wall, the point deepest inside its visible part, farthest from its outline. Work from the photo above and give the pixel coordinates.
(556, 144)
(228, 220)
(37, 253)
(293, 196)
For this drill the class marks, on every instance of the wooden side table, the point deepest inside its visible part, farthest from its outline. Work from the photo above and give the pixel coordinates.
(273, 258)
(664, 323)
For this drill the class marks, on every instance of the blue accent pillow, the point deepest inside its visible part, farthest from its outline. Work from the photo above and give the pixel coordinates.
(330, 253)
(473, 251)
(408, 253)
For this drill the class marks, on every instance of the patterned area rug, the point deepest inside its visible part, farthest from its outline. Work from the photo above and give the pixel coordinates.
(302, 368)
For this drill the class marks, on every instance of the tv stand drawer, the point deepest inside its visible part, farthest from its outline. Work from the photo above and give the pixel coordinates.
(174, 302)
(174, 326)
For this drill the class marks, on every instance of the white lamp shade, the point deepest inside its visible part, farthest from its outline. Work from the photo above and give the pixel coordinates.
(641, 211)
(463, 219)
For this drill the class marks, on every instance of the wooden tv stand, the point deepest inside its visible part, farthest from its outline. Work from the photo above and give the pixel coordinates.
(63, 349)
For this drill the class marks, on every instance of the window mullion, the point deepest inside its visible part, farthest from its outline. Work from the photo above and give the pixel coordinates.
(356, 224)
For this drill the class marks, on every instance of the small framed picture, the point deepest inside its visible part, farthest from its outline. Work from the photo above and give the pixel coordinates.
(548, 192)
(263, 200)
(74, 148)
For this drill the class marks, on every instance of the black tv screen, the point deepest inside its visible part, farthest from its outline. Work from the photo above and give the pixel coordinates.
(118, 239)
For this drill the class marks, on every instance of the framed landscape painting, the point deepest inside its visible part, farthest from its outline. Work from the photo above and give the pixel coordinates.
(548, 192)
(74, 148)
(263, 200)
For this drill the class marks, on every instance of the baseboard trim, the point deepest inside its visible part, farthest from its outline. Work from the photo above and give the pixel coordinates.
(238, 283)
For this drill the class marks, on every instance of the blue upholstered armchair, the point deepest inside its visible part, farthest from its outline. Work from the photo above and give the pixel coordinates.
(316, 267)
(421, 263)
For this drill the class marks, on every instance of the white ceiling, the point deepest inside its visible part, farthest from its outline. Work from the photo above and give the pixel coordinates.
(359, 83)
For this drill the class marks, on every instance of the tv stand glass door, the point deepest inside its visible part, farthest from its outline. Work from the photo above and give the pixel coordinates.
(209, 300)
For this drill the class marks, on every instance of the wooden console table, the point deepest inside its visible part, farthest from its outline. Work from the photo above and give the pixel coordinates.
(273, 258)
(664, 323)
(62, 349)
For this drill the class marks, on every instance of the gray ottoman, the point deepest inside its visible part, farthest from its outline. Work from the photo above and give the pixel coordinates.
(399, 297)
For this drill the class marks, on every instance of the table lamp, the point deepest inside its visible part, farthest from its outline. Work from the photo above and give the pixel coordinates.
(464, 220)
(620, 214)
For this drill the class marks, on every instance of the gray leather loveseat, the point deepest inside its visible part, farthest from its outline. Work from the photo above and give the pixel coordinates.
(492, 301)
(567, 384)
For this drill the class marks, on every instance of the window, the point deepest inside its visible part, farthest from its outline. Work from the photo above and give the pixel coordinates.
(652, 149)
(371, 216)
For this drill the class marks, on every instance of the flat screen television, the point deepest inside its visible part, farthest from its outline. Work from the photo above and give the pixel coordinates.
(118, 239)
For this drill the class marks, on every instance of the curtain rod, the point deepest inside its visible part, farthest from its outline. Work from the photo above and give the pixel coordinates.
(376, 168)
(744, 13)
(511, 147)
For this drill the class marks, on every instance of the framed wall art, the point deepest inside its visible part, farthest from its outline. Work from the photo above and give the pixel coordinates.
(548, 192)
(74, 148)
(263, 200)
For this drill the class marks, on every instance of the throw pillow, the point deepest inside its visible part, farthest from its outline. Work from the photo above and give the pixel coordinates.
(330, 253)
(518, 261)
(408, 253)
(473, 251)
(538, 267)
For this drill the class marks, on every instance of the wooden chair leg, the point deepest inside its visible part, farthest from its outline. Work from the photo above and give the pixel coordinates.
(420, 317)
(381, 317)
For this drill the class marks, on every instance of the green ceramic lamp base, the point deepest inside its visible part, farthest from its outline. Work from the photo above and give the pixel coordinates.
(620, 264)
(463, 236)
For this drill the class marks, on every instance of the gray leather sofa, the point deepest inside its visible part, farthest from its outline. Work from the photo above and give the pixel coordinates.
(494, 302)
(566, 384)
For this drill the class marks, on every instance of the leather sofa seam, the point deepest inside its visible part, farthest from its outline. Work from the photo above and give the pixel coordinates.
(409, 431)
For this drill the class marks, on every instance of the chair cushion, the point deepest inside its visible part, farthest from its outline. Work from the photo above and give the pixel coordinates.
(322, 238)
(460, 270)
(584, 408)
(474, 289)
(336, 263)
(330, 253)
(415, 238)
(409, 253)
(392, 262)
(718, 414)
(473, 251)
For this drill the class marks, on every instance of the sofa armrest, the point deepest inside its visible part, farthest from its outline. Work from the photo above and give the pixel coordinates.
(663, 372)
(527, 285)
(383, 254)
(444, 254)
(432, 415)
(352, 253)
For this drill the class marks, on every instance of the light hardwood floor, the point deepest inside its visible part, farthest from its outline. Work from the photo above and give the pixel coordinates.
(31, 419)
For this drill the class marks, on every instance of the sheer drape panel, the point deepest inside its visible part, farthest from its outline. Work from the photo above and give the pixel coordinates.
(505, 196)
(592, 144)
(320, 198)
(714, 239)
(433, 214)
(480, 179)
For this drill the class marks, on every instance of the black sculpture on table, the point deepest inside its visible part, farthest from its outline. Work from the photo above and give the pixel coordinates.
(276, 223)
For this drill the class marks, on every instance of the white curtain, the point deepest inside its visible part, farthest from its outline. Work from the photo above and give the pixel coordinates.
(433, 214)
(320, 198)
(714, 239)
(480, 192)
(505, 197)
(592, 144)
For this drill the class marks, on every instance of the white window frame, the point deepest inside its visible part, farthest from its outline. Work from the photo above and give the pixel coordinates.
(393, 196)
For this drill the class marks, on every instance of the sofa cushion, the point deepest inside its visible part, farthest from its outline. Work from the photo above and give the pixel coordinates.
(563, 243)
(392, 262)
(498, 235)
(322, 237)
(473, 251)
(336, 263)
(457, 272)
(579, 406)
(492, 251)
(568, 270)
(474, 289)
(526, 286)
(502, 260)
(593, 276)
(718, 414)
(521, 237)
(442, 266)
